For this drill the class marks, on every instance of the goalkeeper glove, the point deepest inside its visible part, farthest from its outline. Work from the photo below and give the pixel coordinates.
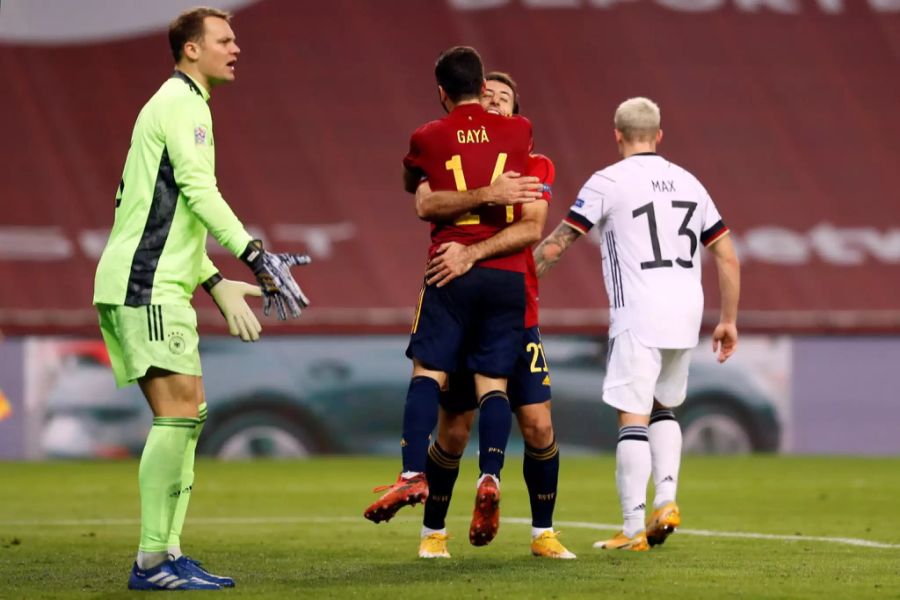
(273, 272)
(229, 297)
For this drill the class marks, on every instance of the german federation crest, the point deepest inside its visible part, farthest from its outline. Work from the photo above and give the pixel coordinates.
(176, 343)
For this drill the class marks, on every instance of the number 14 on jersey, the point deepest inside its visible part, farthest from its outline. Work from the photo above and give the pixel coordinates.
(459, 177)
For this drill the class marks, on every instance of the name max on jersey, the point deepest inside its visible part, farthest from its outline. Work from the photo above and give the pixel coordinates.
(663, 186)
(472, 136)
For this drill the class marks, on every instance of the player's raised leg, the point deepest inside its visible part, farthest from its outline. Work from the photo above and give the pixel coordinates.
(434, 347)
(420, 414)
(494, 426)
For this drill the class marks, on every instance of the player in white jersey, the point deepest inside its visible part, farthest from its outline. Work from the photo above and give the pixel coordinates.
(654, 215)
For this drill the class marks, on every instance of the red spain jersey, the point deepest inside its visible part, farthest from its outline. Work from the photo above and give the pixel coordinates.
(465, 150)
(541, 167)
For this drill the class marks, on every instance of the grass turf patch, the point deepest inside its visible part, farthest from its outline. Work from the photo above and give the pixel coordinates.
(295, 528)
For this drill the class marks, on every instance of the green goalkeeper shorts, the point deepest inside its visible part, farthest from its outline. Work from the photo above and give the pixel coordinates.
(140, 337)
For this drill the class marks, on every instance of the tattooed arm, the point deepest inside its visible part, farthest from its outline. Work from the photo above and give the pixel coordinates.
(549, 251)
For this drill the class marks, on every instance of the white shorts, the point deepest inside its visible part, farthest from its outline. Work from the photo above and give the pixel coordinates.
(636, 375)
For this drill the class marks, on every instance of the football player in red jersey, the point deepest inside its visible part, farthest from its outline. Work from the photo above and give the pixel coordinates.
(529, 388)
(476, 320)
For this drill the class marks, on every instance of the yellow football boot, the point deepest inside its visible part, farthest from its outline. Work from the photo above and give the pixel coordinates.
(662, 523)
(434, 546)
(638, 543)
(548, 545)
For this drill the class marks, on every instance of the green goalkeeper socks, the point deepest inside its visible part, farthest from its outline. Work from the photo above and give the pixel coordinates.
(159, 478)
(187, 484)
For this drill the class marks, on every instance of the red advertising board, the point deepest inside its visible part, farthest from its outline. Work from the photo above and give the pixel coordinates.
(786, 110)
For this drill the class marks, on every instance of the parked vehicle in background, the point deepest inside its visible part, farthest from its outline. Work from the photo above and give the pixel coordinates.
(344, 394)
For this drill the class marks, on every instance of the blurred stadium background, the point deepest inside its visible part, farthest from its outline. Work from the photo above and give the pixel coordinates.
(786, 109)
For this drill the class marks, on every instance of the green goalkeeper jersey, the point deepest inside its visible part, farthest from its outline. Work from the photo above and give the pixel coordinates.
(166, 203)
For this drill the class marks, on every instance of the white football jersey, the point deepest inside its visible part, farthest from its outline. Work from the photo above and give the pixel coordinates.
(654, 217)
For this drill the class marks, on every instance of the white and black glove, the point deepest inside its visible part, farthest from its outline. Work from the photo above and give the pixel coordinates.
(229, 297)
(273, 272)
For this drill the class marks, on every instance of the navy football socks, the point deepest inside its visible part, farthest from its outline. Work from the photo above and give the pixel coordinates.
(541, 471)
(494, 425)
(441, 471)
(420, 415)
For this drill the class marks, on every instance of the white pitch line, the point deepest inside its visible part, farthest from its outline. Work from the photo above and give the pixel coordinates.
(725, 534)
(512, 520)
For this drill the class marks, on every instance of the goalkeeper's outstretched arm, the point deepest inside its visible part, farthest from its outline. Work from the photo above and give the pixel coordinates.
(273, 272)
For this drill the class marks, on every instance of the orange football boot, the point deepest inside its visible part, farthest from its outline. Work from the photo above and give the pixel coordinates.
(486, 517)
(403, 492)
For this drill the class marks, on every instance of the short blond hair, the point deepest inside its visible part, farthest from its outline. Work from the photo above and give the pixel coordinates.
(638, 119)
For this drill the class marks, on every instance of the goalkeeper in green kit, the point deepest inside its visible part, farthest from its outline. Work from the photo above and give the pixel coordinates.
(166, 204)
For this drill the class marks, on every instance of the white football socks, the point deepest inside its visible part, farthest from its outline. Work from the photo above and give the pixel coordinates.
(632, 474)
(426, 531)
(480, 479)
(665, 449)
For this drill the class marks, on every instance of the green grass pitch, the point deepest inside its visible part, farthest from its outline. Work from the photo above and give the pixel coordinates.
(818, 528)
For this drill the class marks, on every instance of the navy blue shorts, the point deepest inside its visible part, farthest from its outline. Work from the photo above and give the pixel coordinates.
(474, 322)
(529, 385)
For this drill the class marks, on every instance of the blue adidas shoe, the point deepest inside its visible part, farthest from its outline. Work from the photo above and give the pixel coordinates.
(188, 567)
(166, 577)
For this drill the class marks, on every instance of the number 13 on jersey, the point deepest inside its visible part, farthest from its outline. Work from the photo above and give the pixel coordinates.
(459, 177)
